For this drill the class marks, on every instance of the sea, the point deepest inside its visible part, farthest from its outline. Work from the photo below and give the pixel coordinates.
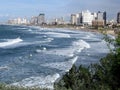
(32, 56)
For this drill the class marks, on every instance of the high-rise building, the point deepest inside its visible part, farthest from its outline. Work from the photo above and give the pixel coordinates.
(87, 17)
(101, 16)
(41, 19)
(100, 19)
(73, 19)
(77, 19)
(34, 20)
(118, 17)
(94, 15)
(82, 18)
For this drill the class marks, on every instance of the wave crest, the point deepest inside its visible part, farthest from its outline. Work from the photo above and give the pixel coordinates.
(10, 42)
(38, 82)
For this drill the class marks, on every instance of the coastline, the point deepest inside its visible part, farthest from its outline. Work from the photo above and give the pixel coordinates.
(86, 29)
(108, 31)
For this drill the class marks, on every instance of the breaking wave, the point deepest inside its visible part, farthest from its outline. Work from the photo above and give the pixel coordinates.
(58, 35)
(76, 47)
(10, 42)
(38, 82)
(4, 67)
(65, 66)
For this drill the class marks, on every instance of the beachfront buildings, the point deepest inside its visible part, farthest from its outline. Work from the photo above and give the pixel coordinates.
(73, 19)
(100, 20)
(18, 21)
(83, 18)
(88, 18)
(118, 17)
(101, 16)
(34, 20)
(58, 21)
(38, 20)
(41, 19)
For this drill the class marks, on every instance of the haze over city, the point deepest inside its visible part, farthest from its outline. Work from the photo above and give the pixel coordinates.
(55, 8)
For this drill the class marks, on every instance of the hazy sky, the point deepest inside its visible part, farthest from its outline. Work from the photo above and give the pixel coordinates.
(55, 8)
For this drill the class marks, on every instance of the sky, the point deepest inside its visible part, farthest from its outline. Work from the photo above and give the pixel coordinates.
(55, 8)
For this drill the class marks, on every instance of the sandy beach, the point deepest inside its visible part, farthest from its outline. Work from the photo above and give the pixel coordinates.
(103, 31)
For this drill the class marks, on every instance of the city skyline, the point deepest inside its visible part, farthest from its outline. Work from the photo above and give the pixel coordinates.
(55, 8)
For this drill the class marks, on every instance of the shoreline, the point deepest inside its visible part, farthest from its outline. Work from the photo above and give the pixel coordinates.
(69, 28)
(102, 31)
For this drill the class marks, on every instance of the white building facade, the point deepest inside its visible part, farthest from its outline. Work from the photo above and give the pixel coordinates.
(83, 18)
(41, 19)
(73, 19)
(18, 21)
(87, 17)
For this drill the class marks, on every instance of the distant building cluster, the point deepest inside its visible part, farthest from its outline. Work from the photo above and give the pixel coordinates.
(84, 18)
(38, 20)
(35, 20)
(57, 21)
(18, 21)
(88, 18)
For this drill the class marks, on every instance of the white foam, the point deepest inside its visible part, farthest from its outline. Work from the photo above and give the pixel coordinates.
(111, 36)
(38, 82)
(50, 39)
(100, 47)
(65, 66)
(58, 35)
(79, 45)
(44, 41)
(10, 42)
(30, 30)
(60, 52)
(70, 52)
(76, 47)
(21, 28)
(4, 67)
(41, 50)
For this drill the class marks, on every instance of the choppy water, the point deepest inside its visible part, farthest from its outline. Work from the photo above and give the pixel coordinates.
(32, 56)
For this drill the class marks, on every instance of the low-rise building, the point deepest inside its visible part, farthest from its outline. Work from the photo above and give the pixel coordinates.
(98, 23)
